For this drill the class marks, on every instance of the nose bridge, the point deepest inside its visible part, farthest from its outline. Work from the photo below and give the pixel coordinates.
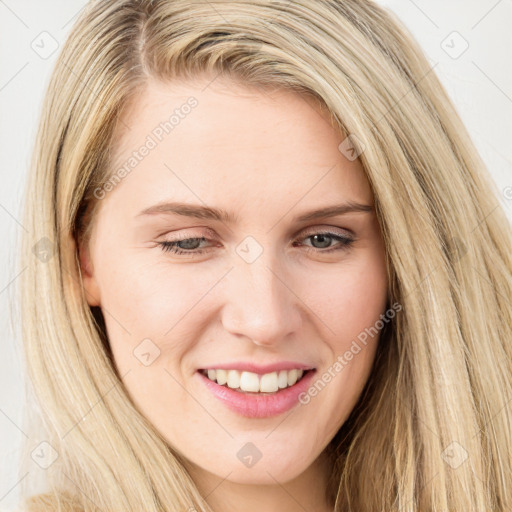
(260, 304)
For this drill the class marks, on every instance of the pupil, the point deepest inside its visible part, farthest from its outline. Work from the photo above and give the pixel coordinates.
(191, 243)
(322, 237)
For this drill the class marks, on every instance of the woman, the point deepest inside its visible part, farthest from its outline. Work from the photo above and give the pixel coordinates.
(275, 273)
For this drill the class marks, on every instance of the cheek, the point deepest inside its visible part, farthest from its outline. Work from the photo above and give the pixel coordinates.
(351, 299)
(150, 298)
(152, 317)
(350, 305)
(153, 308)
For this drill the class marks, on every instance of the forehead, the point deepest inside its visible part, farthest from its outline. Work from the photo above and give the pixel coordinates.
(207, 138)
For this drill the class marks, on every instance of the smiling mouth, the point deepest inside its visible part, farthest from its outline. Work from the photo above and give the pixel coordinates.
(253, 383)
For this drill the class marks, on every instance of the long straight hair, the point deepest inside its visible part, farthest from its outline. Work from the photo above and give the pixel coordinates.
(432, 430)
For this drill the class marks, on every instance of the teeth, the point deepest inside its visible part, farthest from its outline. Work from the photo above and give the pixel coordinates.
(220, 375)
(233, 379)
(282, 380)
(292, 377)
(252, 382)
(249, 381)
(268, 383)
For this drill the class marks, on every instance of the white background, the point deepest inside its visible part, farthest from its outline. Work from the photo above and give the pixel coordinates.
(479, 82)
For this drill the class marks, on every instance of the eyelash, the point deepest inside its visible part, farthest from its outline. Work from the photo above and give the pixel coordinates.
(345, 243)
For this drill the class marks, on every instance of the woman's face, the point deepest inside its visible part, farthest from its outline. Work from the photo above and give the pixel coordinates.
(270, 284)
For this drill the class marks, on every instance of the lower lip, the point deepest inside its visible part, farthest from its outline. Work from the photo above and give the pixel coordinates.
(252, 405)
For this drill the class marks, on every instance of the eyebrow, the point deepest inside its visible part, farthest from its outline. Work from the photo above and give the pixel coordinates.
(208, 212)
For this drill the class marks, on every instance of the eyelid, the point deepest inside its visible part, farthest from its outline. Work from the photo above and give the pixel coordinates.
(344, 242)
(181, 233)
(324, 228)
(210, 233)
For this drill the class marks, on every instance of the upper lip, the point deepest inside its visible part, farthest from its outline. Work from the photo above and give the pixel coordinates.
(260, 369)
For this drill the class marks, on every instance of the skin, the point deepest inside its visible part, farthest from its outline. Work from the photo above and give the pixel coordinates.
(266, 157)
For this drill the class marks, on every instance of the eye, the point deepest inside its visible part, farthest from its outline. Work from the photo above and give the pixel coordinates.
(184, 245)
(323, 240)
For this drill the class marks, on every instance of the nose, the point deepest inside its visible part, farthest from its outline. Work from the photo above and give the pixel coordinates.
(260, 302)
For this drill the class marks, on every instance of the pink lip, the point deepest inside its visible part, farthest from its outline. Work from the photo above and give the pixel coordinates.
(259, 405)
(260, 369)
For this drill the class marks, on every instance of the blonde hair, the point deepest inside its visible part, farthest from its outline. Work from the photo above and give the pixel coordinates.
(439, 387)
